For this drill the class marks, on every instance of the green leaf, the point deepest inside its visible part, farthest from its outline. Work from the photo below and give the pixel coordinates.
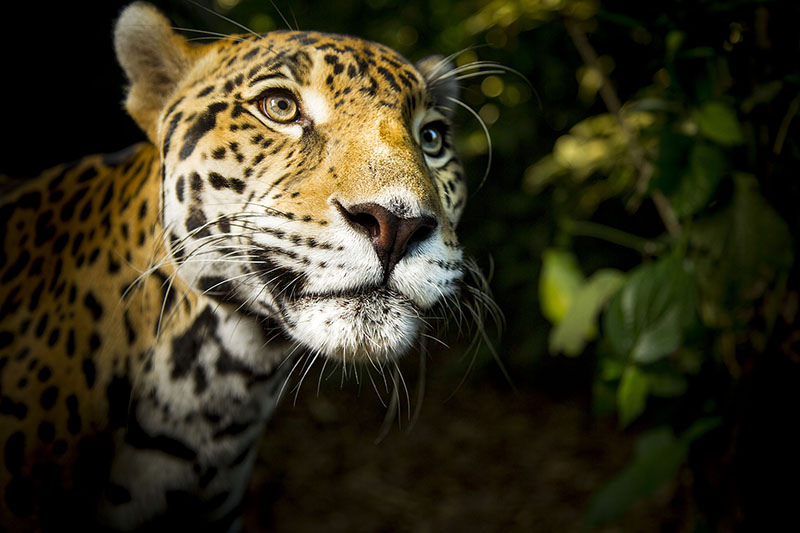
(740, 249)
(631, 395)
(673, 42)
(698, 185)
(578, 325)
(657, 459)
(646, 319)
(666, 384)
(559, 282)
(718, 122)
(673, 150)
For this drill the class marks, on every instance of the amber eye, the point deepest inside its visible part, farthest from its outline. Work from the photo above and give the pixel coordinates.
(431, 139)
(279, 107)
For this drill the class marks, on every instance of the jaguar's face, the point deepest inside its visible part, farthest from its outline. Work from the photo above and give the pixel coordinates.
(310, 178)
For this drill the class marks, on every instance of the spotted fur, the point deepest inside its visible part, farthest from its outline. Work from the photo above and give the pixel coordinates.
(154, 300)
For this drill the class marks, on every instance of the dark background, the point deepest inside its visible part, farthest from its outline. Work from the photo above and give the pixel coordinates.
(538, 454)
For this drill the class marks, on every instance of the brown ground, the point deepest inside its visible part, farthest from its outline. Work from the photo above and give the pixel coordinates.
(485, 459)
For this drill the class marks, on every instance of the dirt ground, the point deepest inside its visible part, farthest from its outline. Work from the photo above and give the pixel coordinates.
(480, 457)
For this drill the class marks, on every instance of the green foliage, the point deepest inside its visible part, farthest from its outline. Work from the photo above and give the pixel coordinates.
(657, 459)
(647, 318)
(641, 206)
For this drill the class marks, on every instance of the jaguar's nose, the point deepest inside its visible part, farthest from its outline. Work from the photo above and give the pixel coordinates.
(389, 234)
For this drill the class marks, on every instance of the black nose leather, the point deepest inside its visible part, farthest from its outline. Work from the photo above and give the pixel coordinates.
(389, 234)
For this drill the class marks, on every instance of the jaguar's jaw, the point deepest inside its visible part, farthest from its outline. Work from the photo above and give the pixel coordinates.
(379, 325)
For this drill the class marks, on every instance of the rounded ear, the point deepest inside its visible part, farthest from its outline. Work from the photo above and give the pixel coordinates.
(154, 58)
(441, 80)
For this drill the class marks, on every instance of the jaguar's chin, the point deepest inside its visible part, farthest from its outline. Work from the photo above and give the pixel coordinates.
(377, 325)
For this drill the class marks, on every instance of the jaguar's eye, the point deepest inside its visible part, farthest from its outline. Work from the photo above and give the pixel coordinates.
(279, 107)
(431, 139)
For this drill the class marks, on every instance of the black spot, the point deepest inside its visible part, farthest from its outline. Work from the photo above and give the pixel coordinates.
(206, 91)
(232, 430)
(205, 122)
(36, 266)
(94, 307)
(113, 265)
(6, 338)
(73, 417)
(60, 243)
(173, 123)
(44, 229)
(70, 343)
(49, 397)
(94, 342)
(15, 269)
(176, 247)
(196, 184)
(129, 329)
(56, 274)
(53, 338)
(46, 432)
(227, 364)
(217, 181)
(42, 326)
(143, 209)
(185, 347)
(237, 185)
(87, 174)
(139, 438)
(196, 223)
(169, 295)
(109, 194)
(200, 380)
(30, 200)
(86, 210)
(11, 408)
(219, 153)
(44, 374)
(179, 188)
(68, 209)
(89, 372)
(14, 452)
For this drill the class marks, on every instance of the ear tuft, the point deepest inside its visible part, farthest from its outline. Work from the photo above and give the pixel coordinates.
(154, 58)
(442, 84)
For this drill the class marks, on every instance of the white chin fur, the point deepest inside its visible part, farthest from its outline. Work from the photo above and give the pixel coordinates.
(378, 326)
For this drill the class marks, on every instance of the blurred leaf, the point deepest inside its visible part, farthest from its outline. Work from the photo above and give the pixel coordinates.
(673, 150)
(579, 323)
(666, 384)
(673, 42)
(718, 122)
(657, 459)
(631, 395)
(646, 319)
(558, 284)
(695, 189)
(739, 250)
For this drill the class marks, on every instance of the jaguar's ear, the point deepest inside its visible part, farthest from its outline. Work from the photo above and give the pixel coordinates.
(442, 83)
(154, 58)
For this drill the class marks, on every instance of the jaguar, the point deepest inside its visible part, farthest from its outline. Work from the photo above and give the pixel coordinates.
(296, 199)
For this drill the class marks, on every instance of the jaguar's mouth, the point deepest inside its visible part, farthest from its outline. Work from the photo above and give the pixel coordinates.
(376, 324)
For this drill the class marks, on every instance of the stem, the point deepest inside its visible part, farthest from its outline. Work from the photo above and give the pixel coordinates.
(613, 235)
(637, 153)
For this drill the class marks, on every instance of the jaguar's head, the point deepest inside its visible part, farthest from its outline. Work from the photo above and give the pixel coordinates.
(307, 177)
